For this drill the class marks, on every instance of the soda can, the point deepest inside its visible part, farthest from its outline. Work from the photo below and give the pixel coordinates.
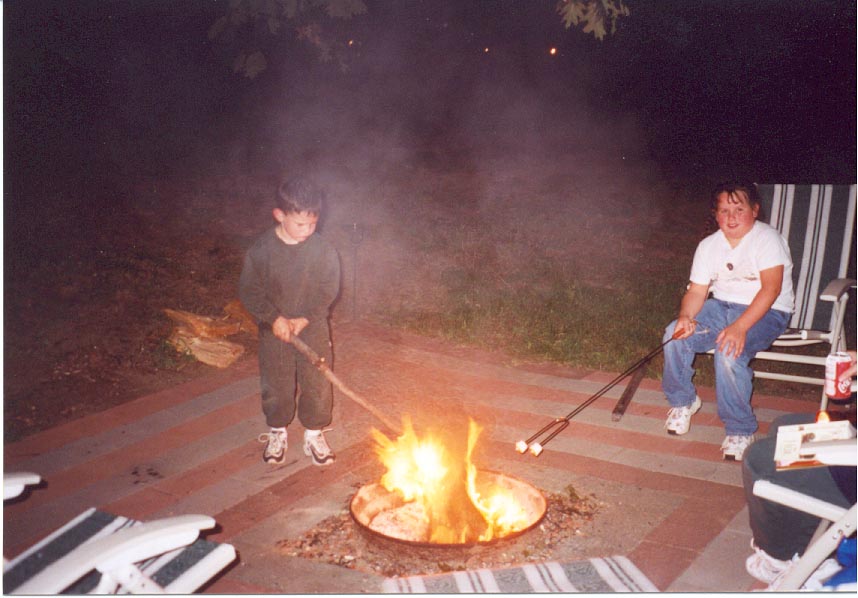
(836, 364)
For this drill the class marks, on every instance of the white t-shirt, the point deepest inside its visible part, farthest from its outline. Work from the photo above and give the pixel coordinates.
(733, 274)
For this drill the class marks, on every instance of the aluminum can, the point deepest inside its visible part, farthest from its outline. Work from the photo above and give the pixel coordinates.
(836, 364)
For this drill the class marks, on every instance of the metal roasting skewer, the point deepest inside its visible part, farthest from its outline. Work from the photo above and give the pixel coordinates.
(561, 423)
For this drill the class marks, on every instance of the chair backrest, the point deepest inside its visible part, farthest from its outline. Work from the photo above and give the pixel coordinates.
(818, 222)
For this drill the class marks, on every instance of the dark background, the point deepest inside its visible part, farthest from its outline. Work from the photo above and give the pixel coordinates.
(100, 91)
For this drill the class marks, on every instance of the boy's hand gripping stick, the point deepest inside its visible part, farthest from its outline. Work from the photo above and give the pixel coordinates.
(554, 428)
(320, 364)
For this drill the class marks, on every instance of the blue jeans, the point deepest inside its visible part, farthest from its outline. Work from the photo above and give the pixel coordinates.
(733, 376)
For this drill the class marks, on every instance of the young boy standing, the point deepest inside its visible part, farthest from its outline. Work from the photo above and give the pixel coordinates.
(746, 265)
(289, 281)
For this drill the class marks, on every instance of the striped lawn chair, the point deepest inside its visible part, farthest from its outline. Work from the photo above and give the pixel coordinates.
(100, 553)
(818, 222)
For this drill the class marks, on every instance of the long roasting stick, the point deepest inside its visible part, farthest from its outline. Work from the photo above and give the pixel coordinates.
(628, 393)
(320, 364)
(558, 425)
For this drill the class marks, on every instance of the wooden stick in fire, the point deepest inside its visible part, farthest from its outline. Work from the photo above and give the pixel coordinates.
(558, 425)
(322, 366)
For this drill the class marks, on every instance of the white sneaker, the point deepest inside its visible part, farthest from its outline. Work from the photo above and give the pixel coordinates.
(764, 567)
(771, 571)
(734, 447)
(679, 418)
(316, 447)
(275, 449)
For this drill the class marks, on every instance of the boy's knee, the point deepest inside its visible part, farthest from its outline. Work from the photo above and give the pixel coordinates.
(727, 363)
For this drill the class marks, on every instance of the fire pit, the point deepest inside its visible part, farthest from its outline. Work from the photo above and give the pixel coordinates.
(385, 514)
(432, 494)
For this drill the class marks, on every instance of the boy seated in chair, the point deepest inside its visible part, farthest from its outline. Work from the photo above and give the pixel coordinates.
(746, 266)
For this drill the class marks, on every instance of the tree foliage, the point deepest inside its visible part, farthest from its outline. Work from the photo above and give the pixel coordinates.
(248, 22)
(595, 15)
(253, 19)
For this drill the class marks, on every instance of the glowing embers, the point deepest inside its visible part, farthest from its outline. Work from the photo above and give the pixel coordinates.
(433, 494)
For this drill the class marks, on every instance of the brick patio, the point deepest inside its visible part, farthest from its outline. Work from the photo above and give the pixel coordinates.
(193, 449)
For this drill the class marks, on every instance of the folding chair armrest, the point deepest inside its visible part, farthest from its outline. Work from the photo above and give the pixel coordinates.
(117, 551)
(797, 500)
(835, 289)
(14, 483)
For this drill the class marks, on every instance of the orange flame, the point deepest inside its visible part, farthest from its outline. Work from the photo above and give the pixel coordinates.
(457, 509)
(822, 417)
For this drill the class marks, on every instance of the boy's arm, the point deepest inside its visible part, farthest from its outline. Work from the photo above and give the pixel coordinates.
(692, 303)
(731, 340)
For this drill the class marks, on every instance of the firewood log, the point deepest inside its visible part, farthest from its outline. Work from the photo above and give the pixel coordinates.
(235, 310)
(203, 326)
(217, 352)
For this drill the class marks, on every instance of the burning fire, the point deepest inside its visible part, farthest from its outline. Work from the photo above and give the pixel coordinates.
(444, 484)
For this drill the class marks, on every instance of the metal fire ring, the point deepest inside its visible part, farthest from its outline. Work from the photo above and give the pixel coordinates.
(372, 499)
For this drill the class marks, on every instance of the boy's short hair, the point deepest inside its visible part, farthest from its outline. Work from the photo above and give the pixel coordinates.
(296, 195)
(745, 187)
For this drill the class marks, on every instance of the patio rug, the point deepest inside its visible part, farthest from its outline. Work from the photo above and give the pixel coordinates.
(596, 575)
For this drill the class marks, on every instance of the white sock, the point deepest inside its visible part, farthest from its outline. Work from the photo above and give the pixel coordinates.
(278, 430)
(312, 432)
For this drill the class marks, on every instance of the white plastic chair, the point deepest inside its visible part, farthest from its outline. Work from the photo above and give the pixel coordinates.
(836, 522)
(14, 483)
(101, 553)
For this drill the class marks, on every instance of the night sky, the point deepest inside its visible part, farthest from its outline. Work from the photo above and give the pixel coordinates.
(98, 93)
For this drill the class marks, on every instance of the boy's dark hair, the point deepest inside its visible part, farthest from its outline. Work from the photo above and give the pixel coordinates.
(732, 187)
(297, 195)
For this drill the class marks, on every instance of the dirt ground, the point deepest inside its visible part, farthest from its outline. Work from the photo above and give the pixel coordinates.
(84, 331)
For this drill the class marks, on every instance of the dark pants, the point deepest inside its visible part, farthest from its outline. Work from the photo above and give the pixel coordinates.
(283, 370)
(780, 530)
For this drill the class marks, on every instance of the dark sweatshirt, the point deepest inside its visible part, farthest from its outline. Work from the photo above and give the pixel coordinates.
(292, 281)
